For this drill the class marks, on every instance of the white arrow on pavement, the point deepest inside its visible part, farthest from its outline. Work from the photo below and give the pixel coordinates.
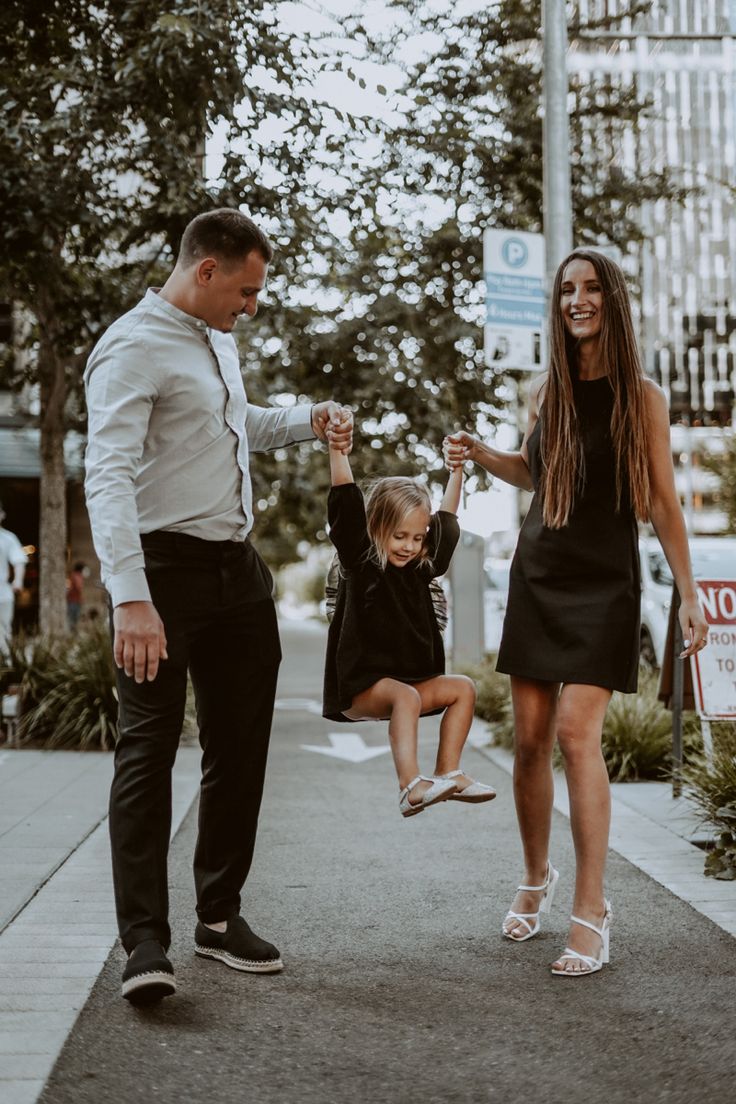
(349, 746)
(306, 705)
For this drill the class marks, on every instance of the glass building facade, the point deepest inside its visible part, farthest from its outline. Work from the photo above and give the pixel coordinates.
(679, 58)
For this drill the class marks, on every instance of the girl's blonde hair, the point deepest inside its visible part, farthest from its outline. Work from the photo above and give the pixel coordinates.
(387, 503)
(563, 468)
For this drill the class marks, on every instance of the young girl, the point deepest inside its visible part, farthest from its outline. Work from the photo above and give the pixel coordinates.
(385, 658)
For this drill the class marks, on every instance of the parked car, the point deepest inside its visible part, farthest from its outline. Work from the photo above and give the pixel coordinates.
(712, 557)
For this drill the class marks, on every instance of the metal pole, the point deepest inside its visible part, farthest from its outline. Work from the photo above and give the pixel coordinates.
(556, 137)
(678, 675)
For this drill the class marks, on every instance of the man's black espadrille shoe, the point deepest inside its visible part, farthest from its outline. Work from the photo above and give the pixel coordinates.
(148, 975)
(238, 947)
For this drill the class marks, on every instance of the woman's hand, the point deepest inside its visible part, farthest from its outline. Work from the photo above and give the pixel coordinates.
(458, 448)
(694, 627)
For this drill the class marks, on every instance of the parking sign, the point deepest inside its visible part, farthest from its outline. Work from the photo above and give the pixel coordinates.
(513, 266)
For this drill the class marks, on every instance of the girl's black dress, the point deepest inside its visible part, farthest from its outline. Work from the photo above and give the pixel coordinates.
(574, 593)
(384, 624)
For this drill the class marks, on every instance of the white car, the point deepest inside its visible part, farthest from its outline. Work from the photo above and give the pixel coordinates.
(712, 557)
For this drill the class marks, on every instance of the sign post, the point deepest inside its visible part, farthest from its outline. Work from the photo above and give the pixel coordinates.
(714, 669)
(513, 267)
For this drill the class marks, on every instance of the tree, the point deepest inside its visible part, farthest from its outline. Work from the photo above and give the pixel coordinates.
(724, 466)
(106, 107)
(404, 337)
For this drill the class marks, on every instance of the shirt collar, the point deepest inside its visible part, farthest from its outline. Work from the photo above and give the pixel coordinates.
(153, 298)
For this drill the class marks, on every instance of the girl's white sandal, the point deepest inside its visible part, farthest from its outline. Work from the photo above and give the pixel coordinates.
(476, 791)
(590, 964)
(530, 920)
(438, 791)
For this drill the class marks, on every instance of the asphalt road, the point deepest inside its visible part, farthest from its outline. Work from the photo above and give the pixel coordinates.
(397, 984)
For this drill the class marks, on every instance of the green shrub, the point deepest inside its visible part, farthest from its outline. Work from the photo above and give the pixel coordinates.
(637, 735)
(712, 788)
(67, 689)
(493, 703)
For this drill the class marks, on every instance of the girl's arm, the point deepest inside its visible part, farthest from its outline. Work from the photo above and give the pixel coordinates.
(512, 467)
(451, 498)
(340, 470)
(668, 521)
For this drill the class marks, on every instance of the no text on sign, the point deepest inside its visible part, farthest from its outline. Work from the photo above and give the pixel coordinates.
(714, 669)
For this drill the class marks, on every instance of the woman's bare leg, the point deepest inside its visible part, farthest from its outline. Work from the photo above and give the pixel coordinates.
(580, 715)
(535, 705)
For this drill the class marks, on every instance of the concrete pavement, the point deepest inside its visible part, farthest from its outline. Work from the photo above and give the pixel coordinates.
(397, 983)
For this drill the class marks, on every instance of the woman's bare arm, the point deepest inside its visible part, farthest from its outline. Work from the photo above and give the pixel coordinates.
(667, 518)
(511, 467)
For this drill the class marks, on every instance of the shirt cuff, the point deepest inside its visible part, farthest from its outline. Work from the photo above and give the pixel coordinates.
(130, 586)
(300, 422)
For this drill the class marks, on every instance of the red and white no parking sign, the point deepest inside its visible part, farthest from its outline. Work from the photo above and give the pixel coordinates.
(714, 669)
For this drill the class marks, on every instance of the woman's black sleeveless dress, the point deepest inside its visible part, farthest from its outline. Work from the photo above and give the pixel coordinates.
(574, 593)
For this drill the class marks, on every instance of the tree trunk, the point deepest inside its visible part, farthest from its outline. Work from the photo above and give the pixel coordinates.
(52, 536)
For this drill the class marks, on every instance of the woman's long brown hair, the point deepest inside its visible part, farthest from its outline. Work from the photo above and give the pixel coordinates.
(563, 462)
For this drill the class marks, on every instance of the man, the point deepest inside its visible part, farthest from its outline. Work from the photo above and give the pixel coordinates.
(169, 497)
(12, 563)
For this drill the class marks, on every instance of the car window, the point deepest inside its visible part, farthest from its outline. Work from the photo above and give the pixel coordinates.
(659, 569)
(716, 563)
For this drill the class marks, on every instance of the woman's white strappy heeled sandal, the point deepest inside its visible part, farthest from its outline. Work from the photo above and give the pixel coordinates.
(589, 963)
(530, 920)
(438, 791)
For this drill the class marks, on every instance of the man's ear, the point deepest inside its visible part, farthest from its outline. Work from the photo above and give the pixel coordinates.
(205, 270)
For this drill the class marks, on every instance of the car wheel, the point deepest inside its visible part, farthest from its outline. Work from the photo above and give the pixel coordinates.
(647, 655)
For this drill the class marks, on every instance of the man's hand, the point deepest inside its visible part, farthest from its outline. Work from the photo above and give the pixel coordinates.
(334, 424)
(140, 639)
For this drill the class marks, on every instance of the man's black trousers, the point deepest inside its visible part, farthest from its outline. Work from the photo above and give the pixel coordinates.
(214, 598)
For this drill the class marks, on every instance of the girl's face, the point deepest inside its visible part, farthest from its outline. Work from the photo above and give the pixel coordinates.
(406, 543)
(581, 300)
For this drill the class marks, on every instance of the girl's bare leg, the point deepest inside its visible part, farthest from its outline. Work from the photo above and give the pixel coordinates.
(535, 705)
(580, 715)
(456, 695)
(401, 704)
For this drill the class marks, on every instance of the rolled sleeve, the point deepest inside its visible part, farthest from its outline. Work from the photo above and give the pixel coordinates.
(270, 428)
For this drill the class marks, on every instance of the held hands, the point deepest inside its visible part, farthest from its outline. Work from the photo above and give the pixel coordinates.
(458, 448)
(334, 424)
(140, 640)
(694, 628)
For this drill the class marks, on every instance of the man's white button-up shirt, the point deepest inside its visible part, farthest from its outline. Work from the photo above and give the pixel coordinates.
(170, 429)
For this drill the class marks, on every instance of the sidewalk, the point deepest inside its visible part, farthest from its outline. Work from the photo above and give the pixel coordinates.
(57, 920)
(396, 979)
(654, 831)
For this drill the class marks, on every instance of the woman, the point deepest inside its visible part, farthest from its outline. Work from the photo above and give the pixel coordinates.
(597, 454)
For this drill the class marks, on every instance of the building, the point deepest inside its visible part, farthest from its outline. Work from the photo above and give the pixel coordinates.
(680, 57)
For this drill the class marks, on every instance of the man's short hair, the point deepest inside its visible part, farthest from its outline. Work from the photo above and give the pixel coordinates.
(225, 235)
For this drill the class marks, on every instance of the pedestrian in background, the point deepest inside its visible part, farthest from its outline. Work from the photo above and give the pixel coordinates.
(385, 658)
(12, 573)
(170, 502)
(597, 454)
(75, 594)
